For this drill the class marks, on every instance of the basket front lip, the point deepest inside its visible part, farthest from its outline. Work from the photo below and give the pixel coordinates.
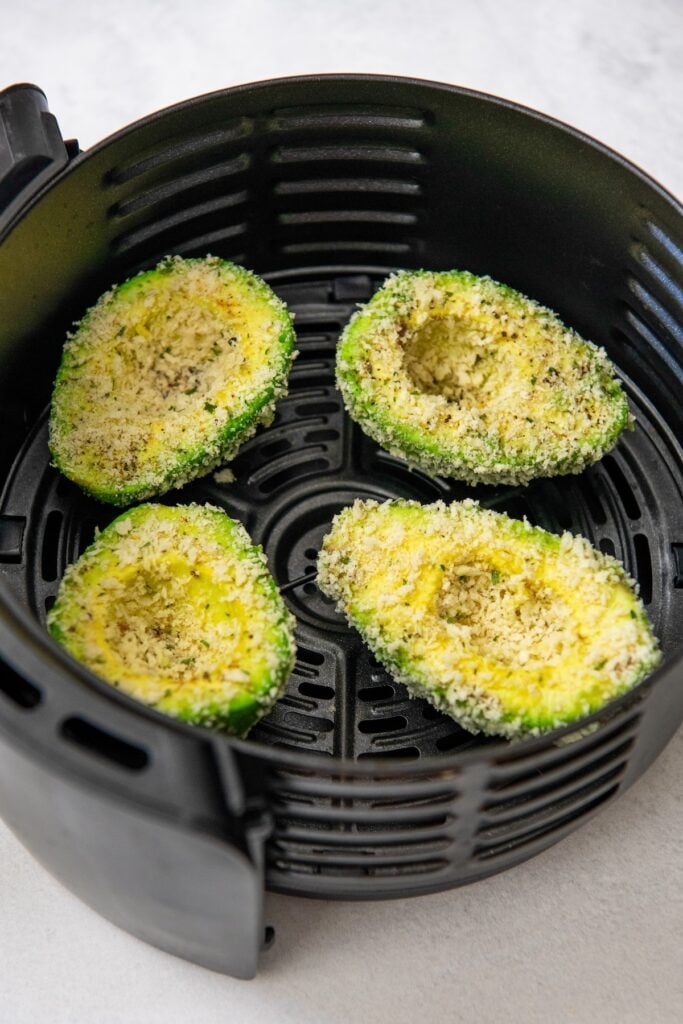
(14, 617)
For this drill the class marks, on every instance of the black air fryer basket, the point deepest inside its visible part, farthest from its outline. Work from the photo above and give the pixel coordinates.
(348, 789)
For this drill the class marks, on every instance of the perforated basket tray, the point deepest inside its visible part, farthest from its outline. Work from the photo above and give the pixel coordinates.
(348, 788)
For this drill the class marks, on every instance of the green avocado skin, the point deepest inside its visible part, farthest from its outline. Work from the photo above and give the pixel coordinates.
(184, 465)
(493, 465)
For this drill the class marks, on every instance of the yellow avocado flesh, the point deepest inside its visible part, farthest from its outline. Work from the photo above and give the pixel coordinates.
(222, 335)
(176, 607)
(166, 376)
(508, 628)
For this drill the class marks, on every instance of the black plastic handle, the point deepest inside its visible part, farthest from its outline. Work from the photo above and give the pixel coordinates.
(32, 149)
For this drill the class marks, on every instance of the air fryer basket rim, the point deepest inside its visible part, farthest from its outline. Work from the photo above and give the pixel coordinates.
(284, 80)
(67, 666)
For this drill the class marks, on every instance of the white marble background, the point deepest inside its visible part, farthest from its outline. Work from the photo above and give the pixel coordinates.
(590, 931)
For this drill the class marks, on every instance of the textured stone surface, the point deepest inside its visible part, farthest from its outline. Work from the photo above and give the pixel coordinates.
(589, 931)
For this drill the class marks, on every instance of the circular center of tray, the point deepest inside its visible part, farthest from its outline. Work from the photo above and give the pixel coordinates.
(292, 543)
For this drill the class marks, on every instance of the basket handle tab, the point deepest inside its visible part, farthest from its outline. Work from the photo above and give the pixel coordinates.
(32, 149)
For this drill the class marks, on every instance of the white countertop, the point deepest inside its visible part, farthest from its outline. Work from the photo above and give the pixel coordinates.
(590, 931)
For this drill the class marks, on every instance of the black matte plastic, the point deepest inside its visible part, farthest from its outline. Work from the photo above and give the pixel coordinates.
(31, 146)
(348, 788)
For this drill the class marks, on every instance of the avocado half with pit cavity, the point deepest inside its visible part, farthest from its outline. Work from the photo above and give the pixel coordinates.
(509, 629)
(167, 376)
(176, 607)
(465, 377)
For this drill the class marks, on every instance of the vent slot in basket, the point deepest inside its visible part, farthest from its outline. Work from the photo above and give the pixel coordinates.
(526, 804)
(353, 830)
(104, 744)
(17, 689)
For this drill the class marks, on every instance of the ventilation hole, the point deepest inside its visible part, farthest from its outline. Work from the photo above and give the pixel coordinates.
(188, 148)
(666, 366)
(314, 217)
(11, 537)
(370, 117)
(305, 671)
(50, 555)
(541, 812)
(535, 791)
(643, 566)
(484, 853)
(373, 693)
(374, 663)
(352, 288)
(325, 599)
(311, 553)
(657, 314)
(312, 376)
(449, 742)
(24, 694)
(309, 588)
(348, 154)
(189, 213)
(321, 435)
(315, 330)
(668, 246)
(626, 495)
(409, 752)
(275, 448)
(286, 476)
(49, 601)
(314, 350)
(677, 551)
(431, 713)
(374, 725)
(291, 746)
(346, 245)
(593, 503)
(166, 230)
(559, 756)
(310, 657)
(391, 186)
(316, 408)
(308, 722)
(316, 690)
(98, 741)
(657, 274)
(607, 547)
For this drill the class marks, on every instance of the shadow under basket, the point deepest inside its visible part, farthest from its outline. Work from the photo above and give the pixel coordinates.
(348, 789)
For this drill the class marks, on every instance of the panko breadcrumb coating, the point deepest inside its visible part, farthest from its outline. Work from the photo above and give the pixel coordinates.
(167, 376)
(466, 377)
(175, 606)
(511, 630)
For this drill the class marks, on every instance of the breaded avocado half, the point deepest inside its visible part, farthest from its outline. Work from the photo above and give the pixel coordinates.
(176, 606)
(465, 377)
(511, 630)
(167, 376)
